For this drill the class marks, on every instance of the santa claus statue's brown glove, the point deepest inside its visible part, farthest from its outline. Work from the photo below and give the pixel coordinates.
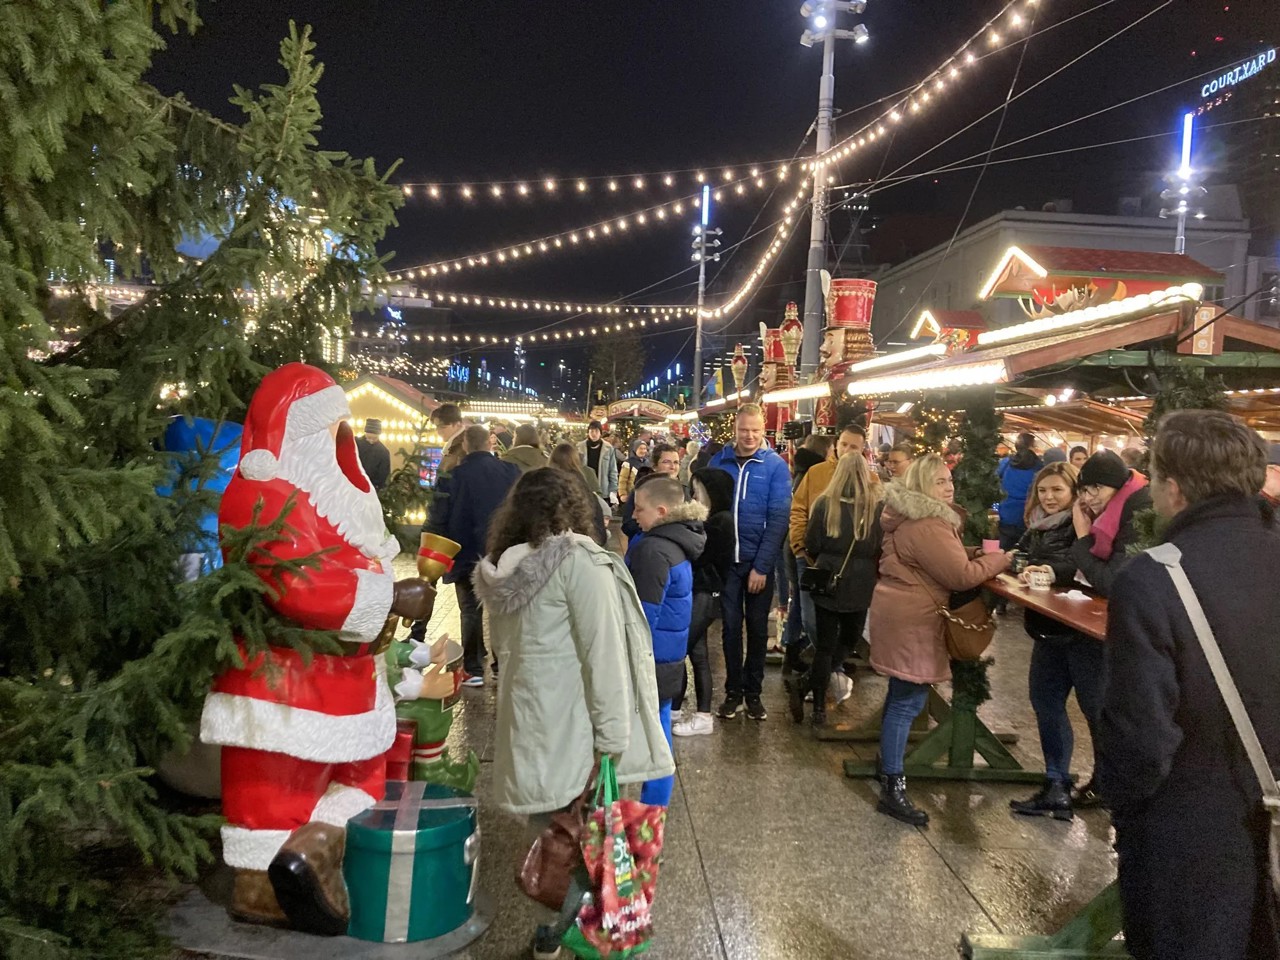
(414, 599)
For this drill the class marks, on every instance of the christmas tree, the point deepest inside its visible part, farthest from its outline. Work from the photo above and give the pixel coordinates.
(105, 654)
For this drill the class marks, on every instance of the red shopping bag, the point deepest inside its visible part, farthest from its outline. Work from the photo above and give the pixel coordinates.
(621, 847)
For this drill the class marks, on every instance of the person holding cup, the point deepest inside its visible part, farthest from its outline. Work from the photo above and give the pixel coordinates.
(922, 563)
(1062, 659)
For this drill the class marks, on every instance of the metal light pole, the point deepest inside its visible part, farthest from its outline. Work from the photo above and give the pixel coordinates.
(824, 23)
(700, 256)
(1185, 189)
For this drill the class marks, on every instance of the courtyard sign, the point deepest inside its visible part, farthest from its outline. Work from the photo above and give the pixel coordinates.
(1242, 72)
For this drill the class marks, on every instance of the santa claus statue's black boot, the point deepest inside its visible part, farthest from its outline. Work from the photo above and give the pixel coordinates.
(307, 878)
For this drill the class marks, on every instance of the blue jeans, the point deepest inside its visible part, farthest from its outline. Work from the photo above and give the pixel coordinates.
(659, 791)
(1057, 665)
(902, 704)
(745, 677)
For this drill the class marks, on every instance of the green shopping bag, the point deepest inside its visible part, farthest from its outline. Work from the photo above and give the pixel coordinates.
(621, 847)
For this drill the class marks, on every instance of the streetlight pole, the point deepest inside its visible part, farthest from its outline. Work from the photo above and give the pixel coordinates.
(823, 14)
(1184, 189)
(700, 247)
(818, 214)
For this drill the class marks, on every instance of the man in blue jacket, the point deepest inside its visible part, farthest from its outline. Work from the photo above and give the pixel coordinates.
(477, 486)
(661, 564)
(761, 514)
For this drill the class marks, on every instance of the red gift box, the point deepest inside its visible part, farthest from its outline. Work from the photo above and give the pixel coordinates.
(401, 752)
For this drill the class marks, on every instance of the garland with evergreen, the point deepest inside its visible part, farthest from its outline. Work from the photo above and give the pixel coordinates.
(977, 485)
(105, 653)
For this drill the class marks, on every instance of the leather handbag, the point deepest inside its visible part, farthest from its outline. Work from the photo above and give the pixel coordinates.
(967, 630)
(546, 874)
(823, 583)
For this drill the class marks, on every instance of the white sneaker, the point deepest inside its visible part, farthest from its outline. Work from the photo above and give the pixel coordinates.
(697, 725)
(841, 688)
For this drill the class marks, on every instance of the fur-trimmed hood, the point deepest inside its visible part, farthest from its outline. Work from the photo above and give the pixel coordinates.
(902, 504)
(689, 510)
(683, 527)
(522, 571)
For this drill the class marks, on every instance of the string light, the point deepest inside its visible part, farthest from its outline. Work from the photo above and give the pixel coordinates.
(605, 227)
(914, 99)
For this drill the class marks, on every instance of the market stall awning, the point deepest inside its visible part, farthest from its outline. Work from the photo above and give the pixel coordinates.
(1024, 271)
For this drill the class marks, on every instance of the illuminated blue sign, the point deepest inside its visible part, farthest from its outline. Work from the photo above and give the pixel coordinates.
(1238, 73)
(394, 314)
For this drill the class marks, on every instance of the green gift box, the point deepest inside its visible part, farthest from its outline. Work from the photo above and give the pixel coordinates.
(411, 863)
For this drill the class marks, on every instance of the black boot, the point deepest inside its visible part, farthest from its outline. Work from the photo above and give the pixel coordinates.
(1088, 796)
(894, 801)
(1052, 800)
(795, 697)
(819, 718)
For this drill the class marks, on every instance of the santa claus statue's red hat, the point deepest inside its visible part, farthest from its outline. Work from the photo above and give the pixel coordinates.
(294, 401)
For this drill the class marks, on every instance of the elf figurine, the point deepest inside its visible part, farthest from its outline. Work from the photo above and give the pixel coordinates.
(303, 738)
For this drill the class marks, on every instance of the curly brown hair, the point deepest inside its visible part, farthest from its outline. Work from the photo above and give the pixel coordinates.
(543, 503)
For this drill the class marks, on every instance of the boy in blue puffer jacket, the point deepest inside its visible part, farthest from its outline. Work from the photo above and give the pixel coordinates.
(661, 564)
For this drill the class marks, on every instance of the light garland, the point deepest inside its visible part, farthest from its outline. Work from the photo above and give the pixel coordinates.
(735, 180)
(600, 230)
(579, 333)
(809, 391)
(528, 305)
(961, 375)
(791, 216)
(998, 32)
(782, 233)
(1170, 297)
(902, 356)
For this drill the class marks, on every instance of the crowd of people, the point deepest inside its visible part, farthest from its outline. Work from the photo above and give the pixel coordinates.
(593, 642)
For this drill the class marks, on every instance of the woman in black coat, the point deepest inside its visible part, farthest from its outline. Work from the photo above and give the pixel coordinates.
(1062, 659)
(1191, 832)
(842, 539)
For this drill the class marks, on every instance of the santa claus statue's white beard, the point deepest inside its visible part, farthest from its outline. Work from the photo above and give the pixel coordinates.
(310, 463)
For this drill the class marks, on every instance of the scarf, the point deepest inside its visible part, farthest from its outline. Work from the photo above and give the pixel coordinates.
(1048, 521)
(1107, 526)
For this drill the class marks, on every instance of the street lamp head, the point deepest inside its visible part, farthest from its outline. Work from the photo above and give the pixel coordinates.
(861, 34)
(857, 7)
(807, 9)
(807, 38)
(820, 22)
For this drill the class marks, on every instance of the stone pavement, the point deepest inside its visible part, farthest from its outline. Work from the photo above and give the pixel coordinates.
(772, 853)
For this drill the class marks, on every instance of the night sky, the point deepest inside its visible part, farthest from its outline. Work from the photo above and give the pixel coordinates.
(505, 90)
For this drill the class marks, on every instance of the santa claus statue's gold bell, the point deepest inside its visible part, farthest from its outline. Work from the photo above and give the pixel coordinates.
(435, 556)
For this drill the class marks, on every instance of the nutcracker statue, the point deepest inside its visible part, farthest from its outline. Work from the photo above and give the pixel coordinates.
(305, 739)
(778, 370)
(845, 340)
(738, 367)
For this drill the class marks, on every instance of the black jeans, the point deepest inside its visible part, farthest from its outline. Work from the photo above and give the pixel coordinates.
(471, 612)
(745, 678)
(838, 634)
(705, 608)
(1059, 664)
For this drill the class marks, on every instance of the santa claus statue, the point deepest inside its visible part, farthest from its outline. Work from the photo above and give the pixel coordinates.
(303, 740)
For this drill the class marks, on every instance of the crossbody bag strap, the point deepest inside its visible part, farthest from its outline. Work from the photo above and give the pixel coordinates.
(1171, 558)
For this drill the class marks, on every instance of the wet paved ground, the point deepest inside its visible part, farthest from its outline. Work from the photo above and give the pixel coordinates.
(772, 853)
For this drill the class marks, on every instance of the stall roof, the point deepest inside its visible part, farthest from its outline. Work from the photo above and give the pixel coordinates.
(399, 389)
(1021, 269)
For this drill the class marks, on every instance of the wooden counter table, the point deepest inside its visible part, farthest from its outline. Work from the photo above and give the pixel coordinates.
(1089, 616)
(1091, 933)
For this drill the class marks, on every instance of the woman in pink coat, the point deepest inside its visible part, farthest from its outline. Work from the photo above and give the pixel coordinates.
(922, 563)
